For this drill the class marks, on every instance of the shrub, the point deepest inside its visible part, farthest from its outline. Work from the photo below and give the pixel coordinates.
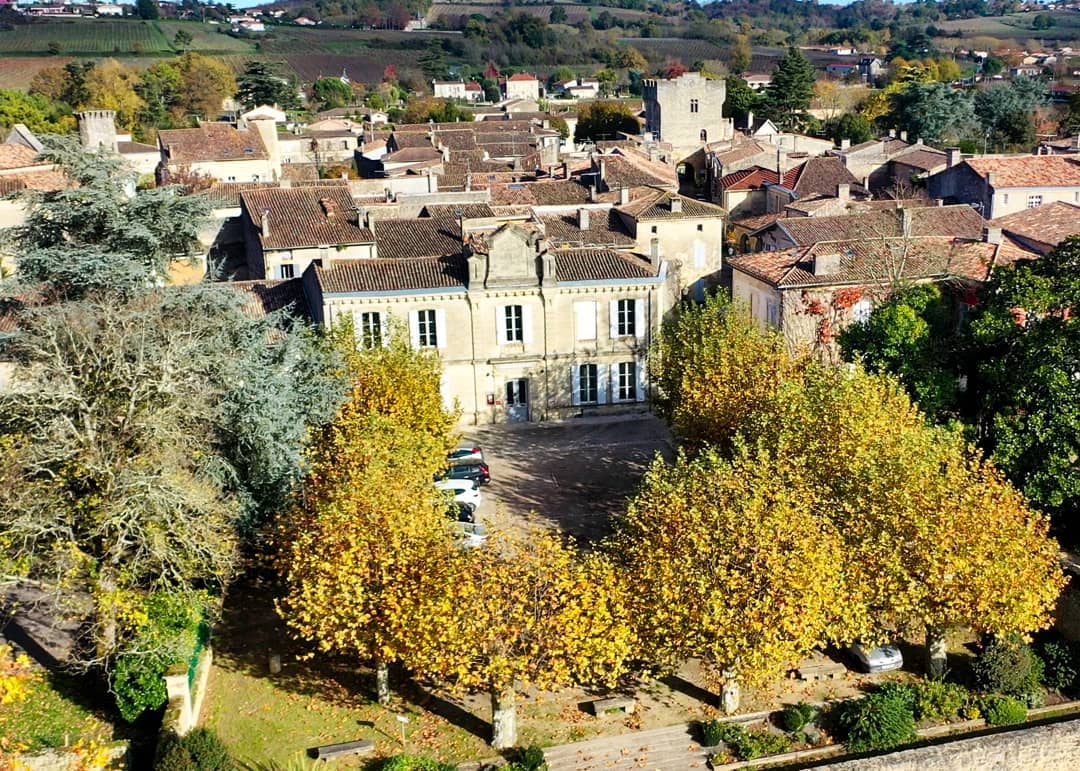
(414, 763)
(744, 744)
(1061, 664)
(938, 700)
(879, 721)
(1010, 667)
(528, 759)
(794, 717)
(1003, 710)
(198, 750)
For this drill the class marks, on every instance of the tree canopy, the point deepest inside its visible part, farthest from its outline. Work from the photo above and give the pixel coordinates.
(604, 120)
(790, 90)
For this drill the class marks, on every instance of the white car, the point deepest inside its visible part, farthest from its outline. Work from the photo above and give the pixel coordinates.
(464, 490)
(470, 535)
(880, 659)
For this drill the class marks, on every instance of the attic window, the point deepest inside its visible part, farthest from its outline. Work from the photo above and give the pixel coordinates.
(248, 151)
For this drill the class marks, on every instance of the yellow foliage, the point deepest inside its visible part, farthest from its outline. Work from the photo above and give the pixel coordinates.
(15, 676)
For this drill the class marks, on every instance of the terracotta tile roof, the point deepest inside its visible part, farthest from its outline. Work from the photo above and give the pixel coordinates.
(739, 152)
(305, 216)
(522, 76)
(761, 221)
(413, 155)
(454, 211)
(1029, 170)
(600, 265)
(960, 221)
(456, 140)
(125, 148)
(605, 228)
(300, 172)
(227, 194)
(885, 146)
(212, 142)
(46, 180)
(877, 261)
(412, 238)
(17, 156)
(753, 178)
(820, 176)
(389, 275)
(657, 206)
(924, 158)
(626, 171)
(519, 194)
(1048, 224)
(265, 297)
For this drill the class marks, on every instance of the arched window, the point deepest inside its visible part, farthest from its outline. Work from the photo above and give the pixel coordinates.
(704, 135)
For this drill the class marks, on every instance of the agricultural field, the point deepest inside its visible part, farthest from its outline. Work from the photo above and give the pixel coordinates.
(17, 71)
(575, 12)
(97, 37)
(1017, 26)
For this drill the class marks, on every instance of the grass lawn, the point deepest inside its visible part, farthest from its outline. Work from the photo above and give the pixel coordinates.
(56, 713)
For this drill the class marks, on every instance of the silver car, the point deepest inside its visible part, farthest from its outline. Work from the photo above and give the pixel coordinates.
(883, 658)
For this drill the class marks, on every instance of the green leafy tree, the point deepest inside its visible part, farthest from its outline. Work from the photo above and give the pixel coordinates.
(740, 99)
(260, 83)
(558, 15)
(433, 61)
(739, 55)
(790, 91)
(37, 112)
(850, 126)
(182, 39)
(147, 9)
(1024, 337)
(911, 336)
(1006, 111)
(332, 92)
(205, 83)
(604, 120)
(935, 112)
(1070, 124)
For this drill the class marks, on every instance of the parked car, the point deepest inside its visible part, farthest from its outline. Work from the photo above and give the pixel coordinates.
(883, 658)
(462, 512)
(475, 472)
(466, 454)
(464, 490)
(470, 535)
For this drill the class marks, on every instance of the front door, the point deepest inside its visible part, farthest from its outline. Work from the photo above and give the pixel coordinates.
(517, 400)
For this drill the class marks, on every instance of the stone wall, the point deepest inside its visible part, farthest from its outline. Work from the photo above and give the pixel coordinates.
(1054, 747)
(185, 702)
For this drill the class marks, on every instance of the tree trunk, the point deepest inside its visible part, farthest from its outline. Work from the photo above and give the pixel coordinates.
(382, 681)
(936, 658)
(105, 610)
(730, 694)
(503, 718)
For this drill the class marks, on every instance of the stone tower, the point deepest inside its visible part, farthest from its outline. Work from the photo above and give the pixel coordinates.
(97, 128)
(686, 111)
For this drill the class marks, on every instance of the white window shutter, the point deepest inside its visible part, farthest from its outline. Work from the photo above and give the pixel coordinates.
(440, 327)
(639, 319)
(526, 324)
(585, 320)
(414, 329)
(699, 253)
(613, 318)
(384, 327)
(601, 383)
(500, 323)
(575, 384)
(640, 371)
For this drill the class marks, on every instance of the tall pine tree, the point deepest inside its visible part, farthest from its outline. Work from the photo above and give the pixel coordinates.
(790, 91)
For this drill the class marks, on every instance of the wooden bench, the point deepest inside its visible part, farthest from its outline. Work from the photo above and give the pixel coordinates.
(603, 707)
(329, 751)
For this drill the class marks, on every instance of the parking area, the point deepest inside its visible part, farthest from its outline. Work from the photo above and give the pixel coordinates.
(575, 475)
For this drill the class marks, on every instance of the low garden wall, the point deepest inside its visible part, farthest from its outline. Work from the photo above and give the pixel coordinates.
(116, 757)
(186, 688)
(1054, 747)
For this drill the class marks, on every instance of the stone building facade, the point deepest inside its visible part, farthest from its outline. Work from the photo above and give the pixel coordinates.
(686, 112)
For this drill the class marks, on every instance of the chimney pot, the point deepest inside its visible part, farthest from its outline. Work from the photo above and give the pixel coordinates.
(676, 205)
(843, 192)
(903, 136)
(583, 219)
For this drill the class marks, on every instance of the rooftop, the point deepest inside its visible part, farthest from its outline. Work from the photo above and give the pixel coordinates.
(305, 216)
(212, 142)
(1048, 224)
(1028, 170)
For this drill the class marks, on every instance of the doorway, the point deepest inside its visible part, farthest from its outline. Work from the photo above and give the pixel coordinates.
(517, 400)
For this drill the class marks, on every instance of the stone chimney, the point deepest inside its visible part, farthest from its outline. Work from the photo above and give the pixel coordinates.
(264, 223)
(675, 204)
(749, 120)
(565, 170)
(592, 193)
(329, 207)
(845, 144)
(583, 219)
(1076, 142)
(624, 195)
(892, 133)
(826, 264)
(388, 195)
(654, 154)
(952, 156)
(369, 220)
(843, 192)
(919, 141)
(992, 235)
(903, 136)
(603, 169)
